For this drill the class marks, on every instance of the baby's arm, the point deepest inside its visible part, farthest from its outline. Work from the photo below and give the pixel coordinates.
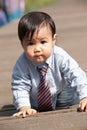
(83, 104)
(24, 112)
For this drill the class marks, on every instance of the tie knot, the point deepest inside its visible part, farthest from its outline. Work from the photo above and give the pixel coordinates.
(43, 70)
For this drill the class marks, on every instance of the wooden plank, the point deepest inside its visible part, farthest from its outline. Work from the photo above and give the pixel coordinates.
(63, 120)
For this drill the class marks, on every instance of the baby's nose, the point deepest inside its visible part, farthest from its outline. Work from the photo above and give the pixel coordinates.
(37, 48)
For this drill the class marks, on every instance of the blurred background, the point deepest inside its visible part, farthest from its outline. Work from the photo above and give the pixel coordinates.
(12, 9)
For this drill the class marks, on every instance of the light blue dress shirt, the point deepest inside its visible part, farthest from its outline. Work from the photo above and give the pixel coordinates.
(63, 71)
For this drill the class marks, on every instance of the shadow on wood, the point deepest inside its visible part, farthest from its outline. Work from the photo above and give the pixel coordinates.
(7, 110)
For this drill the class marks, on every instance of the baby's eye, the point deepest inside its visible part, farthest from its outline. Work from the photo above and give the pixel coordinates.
(30, 43)
(43, 42)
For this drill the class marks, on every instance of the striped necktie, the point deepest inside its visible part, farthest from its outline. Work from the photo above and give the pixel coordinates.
(44, 95)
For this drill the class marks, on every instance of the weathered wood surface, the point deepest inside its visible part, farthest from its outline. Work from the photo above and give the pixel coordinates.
(67, 119)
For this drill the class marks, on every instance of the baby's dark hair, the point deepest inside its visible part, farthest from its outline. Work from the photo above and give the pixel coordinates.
(31, 21)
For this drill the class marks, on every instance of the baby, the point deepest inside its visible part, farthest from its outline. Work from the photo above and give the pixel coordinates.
(45, 65)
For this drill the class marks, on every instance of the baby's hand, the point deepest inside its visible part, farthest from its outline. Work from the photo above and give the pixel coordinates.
(24, 112)
(83, 105)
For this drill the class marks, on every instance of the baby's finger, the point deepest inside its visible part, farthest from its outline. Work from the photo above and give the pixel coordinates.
(24, 114)
(82, 106)
(85, 108)
(31, 112)
(18, 114)
(34, 111)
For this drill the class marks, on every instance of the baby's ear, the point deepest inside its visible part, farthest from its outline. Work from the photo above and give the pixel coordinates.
(54, 38)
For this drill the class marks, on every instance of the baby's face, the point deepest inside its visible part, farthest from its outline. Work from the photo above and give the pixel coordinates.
(40, 47)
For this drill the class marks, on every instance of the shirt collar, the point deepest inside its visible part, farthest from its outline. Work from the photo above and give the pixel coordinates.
(49, 61)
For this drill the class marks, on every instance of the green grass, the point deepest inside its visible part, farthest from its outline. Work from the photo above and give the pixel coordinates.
(34, 4)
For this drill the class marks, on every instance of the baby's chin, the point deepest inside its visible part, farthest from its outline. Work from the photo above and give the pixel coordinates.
(39, 60)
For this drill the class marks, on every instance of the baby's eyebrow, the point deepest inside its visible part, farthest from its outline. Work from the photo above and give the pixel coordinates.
(44, 38)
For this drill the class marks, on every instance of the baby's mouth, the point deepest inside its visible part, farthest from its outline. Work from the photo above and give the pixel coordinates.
(38, 55)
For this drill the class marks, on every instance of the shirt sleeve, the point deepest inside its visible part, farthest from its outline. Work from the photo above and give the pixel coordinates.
(74, 75)
(21, 87)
